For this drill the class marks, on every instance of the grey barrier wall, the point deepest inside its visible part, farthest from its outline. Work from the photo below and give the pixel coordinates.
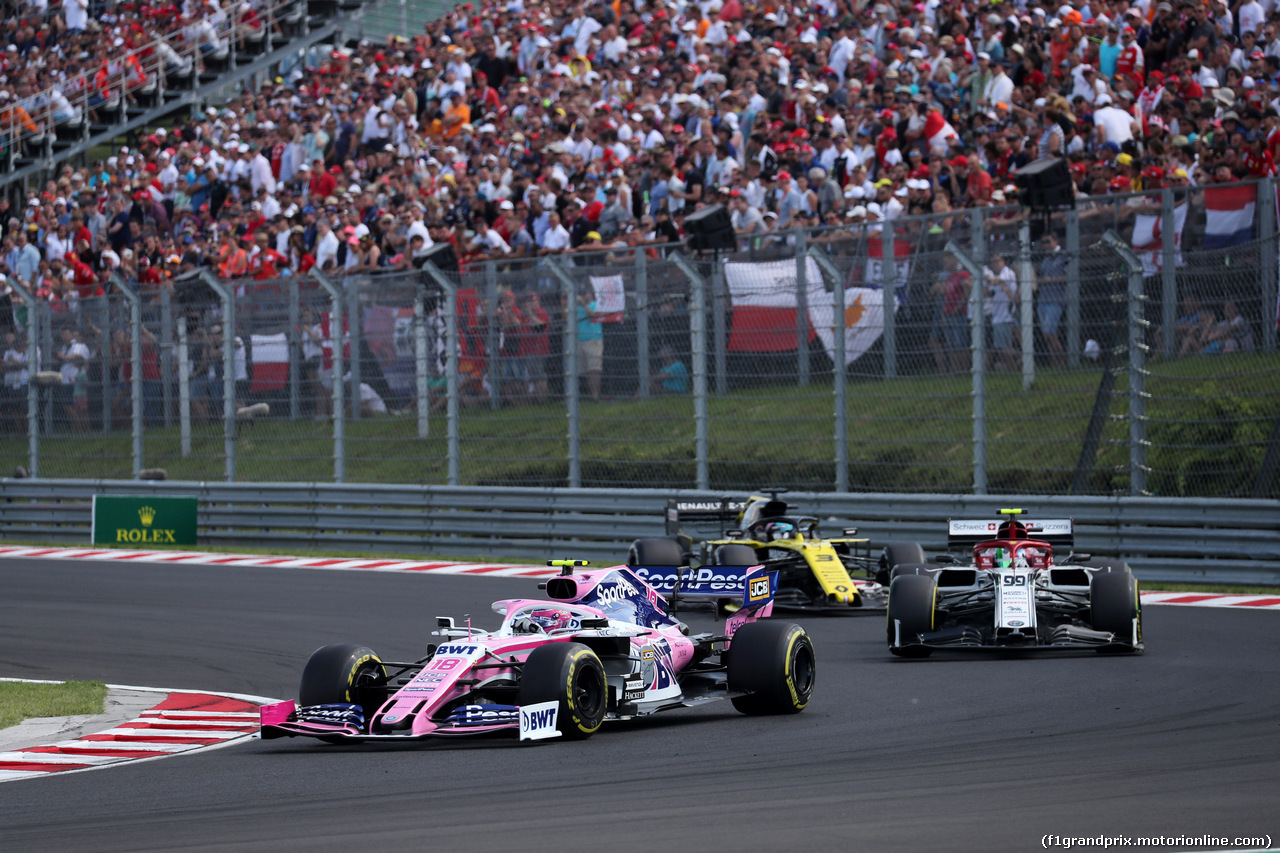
(1131, 358)
(1222, 541)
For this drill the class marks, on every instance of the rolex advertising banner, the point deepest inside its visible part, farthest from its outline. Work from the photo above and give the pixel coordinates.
(119, 520)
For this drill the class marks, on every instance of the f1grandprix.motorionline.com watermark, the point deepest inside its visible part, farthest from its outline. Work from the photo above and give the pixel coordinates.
(1184, 841)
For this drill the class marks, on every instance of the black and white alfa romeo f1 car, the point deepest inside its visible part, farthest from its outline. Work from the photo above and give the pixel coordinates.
(1013, 594)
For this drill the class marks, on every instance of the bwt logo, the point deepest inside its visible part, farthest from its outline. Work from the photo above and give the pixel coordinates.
(146, 515)
(539, 719)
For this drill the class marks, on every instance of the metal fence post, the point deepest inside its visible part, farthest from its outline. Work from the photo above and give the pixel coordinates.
(1168, 270)
(421, 361)
(108, 387)
(802, 311)
(1137, 366)
(570, 363)
(135, 366)
(44, 312)
(1026, 318)
(1072, 344)
(184, 386)
(978, 348)
(228, 371)
(698, 353)
(451, 351)
(166, 354)
(354, 332)
(839, 371)
(339, 397)
(295, 349)
(889, 279)
(1270, 278)
(719, 296)
(33, 366)
(492, 332)
(642, 322)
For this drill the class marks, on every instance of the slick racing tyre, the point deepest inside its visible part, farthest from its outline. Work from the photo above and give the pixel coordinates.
(655, 552)
(896, 553)
(911, 569)
(1107, 566)
(736, 555)
(775, 664)
(344, 672)
(571, 674)
(1113, 604)
(913, 606)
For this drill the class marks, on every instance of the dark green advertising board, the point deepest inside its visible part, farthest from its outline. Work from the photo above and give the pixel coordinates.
(120, 520)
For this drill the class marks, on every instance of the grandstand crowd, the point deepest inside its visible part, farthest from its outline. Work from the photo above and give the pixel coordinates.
(526, 128)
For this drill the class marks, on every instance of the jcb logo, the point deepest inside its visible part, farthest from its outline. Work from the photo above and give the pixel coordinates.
(759, 589)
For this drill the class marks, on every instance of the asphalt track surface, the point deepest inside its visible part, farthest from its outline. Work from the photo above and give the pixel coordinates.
(956, 753)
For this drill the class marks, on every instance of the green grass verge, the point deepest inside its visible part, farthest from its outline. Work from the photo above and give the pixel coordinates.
(1208, 424)
(22, 701)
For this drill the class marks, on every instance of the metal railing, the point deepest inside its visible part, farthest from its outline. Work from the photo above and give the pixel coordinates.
(1222, 541)
(714, 371)
(144, 70)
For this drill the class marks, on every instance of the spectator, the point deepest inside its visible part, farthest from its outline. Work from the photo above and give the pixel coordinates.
(1002, 294)
(590, 342)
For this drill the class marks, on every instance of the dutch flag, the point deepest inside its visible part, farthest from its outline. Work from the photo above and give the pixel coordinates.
(1228, 215)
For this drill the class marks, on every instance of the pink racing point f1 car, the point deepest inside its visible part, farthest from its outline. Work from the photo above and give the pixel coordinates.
(607, 646)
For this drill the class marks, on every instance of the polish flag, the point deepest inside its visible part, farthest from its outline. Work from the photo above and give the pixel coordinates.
(763, 297)
(270, 362)
(1228, 217)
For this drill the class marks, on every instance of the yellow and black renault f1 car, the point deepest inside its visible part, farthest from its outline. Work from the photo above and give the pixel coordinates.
(815, 574)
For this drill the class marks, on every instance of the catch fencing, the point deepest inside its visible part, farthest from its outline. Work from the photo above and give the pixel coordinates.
(1222, 540)
(1120, 357)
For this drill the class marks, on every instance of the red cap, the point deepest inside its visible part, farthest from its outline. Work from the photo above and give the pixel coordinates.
(784, 175)
(960, 161)
(1121, 184)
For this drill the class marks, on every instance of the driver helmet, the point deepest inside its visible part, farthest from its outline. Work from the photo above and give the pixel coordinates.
(780, 530)
(1003, 558)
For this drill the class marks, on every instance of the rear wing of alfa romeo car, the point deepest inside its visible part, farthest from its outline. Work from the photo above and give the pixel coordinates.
(965, 533)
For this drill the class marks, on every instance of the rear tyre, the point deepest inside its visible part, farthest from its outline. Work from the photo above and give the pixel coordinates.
(896, 553)
(571, 674)
(736, 555)
(1113, 605)
(913, 603)
(344, 672)
(775, 664)
(655, 552)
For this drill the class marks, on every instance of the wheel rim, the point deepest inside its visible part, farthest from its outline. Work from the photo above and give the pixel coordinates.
(803, 669)
(588, 694)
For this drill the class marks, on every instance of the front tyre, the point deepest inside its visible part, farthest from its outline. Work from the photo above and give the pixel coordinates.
(774, 664)
(912, 610)
(344, 673)
(1114, 604)
(895, 554)
(571, 674)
